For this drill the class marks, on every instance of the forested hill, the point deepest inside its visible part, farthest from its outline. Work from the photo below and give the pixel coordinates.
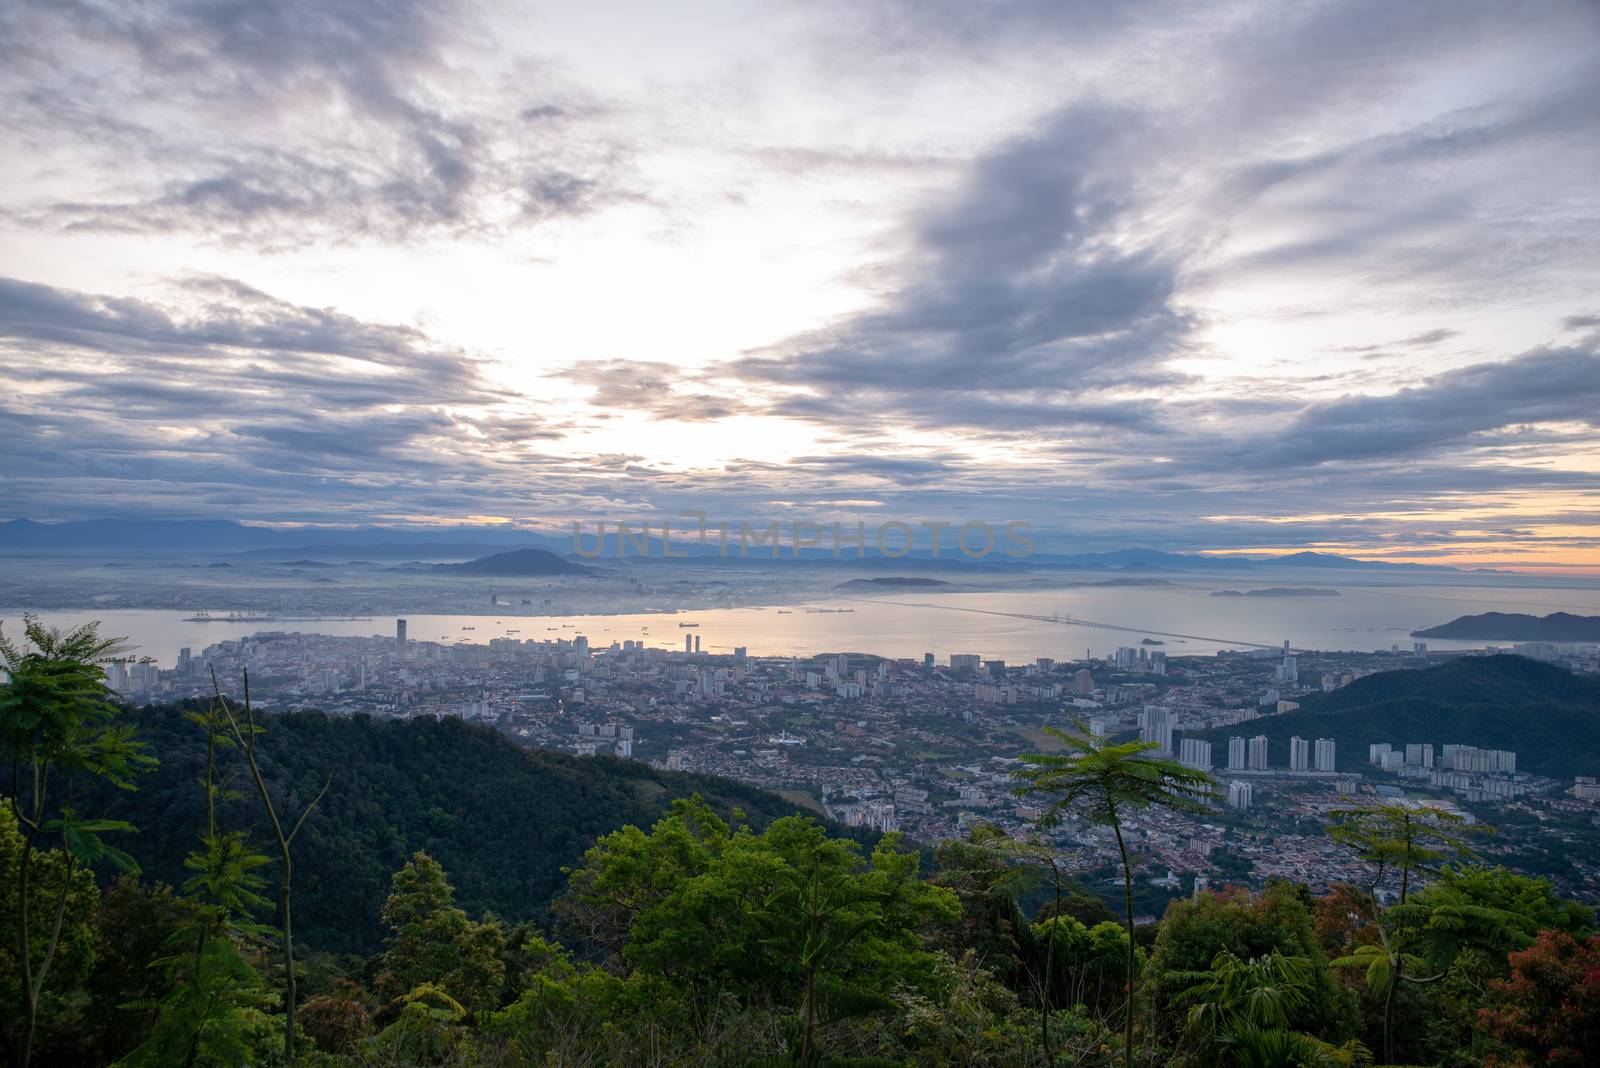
(1549, 716)
(502, 819)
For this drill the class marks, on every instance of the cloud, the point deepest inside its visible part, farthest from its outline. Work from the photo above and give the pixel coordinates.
(291, 123)
(1454, 412)
(1019, 294)
(223, 393)
(1080, 262)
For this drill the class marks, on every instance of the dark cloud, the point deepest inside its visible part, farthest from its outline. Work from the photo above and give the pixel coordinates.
(1019, 294)
(226, 393)
(1452, 411)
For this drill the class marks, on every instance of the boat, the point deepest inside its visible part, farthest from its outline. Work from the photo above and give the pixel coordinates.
(682, 625)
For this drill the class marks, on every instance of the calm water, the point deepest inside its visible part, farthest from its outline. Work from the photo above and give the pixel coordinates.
(1362, 618)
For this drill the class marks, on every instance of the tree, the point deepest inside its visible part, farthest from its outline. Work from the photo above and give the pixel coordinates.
(245, 738)
(1102, 782)
(434, 943)
(990, 869)
(1548, 1010)
(58, 728)
(135, 925)
(75, 960)
(1274, 924)
(1263, 992)
(339, 1019)
(1403, 839)
(209, 1014)
(788, 918)
(1532, 899)
(1407, 840)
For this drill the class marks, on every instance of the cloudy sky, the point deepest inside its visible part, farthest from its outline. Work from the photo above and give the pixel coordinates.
(1245, 275)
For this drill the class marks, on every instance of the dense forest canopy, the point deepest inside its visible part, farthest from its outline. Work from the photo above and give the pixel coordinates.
(503, 820)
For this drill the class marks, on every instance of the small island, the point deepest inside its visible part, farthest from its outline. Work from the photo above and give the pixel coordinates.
(1517, 627)
(1279, 591)
(519, 563)
(891, 582)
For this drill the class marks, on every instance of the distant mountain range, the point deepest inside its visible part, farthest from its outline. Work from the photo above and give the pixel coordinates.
(1548, 716)
(1517, 627)
(446, 543)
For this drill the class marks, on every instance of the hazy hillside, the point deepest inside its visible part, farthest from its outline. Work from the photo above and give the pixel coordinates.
(502, 819)
(1548, 715)
(1517, 627)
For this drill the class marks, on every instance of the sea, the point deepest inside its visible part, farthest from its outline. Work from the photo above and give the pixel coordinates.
(1183, 618)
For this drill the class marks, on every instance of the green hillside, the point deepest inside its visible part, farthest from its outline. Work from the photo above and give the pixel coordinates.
(1549, 716)
(502, 819)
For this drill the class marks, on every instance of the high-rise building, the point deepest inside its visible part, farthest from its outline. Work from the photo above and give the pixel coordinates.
(1195, 753)
(400, 634)
(1237, 754)
(1299, 754)
(697, 643)
(1158, 663)
(1258, 753)
(1324, 755)
(741, 651)
(688, 644)
(580, 646)
(1156, 726)
(1083, 683)
(1239, 795)
(927, 663)
(183, 660)
(965, 661)
(1419, 754)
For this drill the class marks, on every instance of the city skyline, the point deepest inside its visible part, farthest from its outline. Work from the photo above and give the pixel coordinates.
(1237, 277)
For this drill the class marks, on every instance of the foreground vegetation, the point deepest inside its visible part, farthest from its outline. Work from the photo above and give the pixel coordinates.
(708, 938)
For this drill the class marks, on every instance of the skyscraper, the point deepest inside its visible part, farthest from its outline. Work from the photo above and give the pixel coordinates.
(1157, 728)
(1236, 754)
(580, 645)
(1239, 795)
(1195, 753)
(400, 634)
(688, 644)
(1258, 753)
(1325, 754)
(1299, 754)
